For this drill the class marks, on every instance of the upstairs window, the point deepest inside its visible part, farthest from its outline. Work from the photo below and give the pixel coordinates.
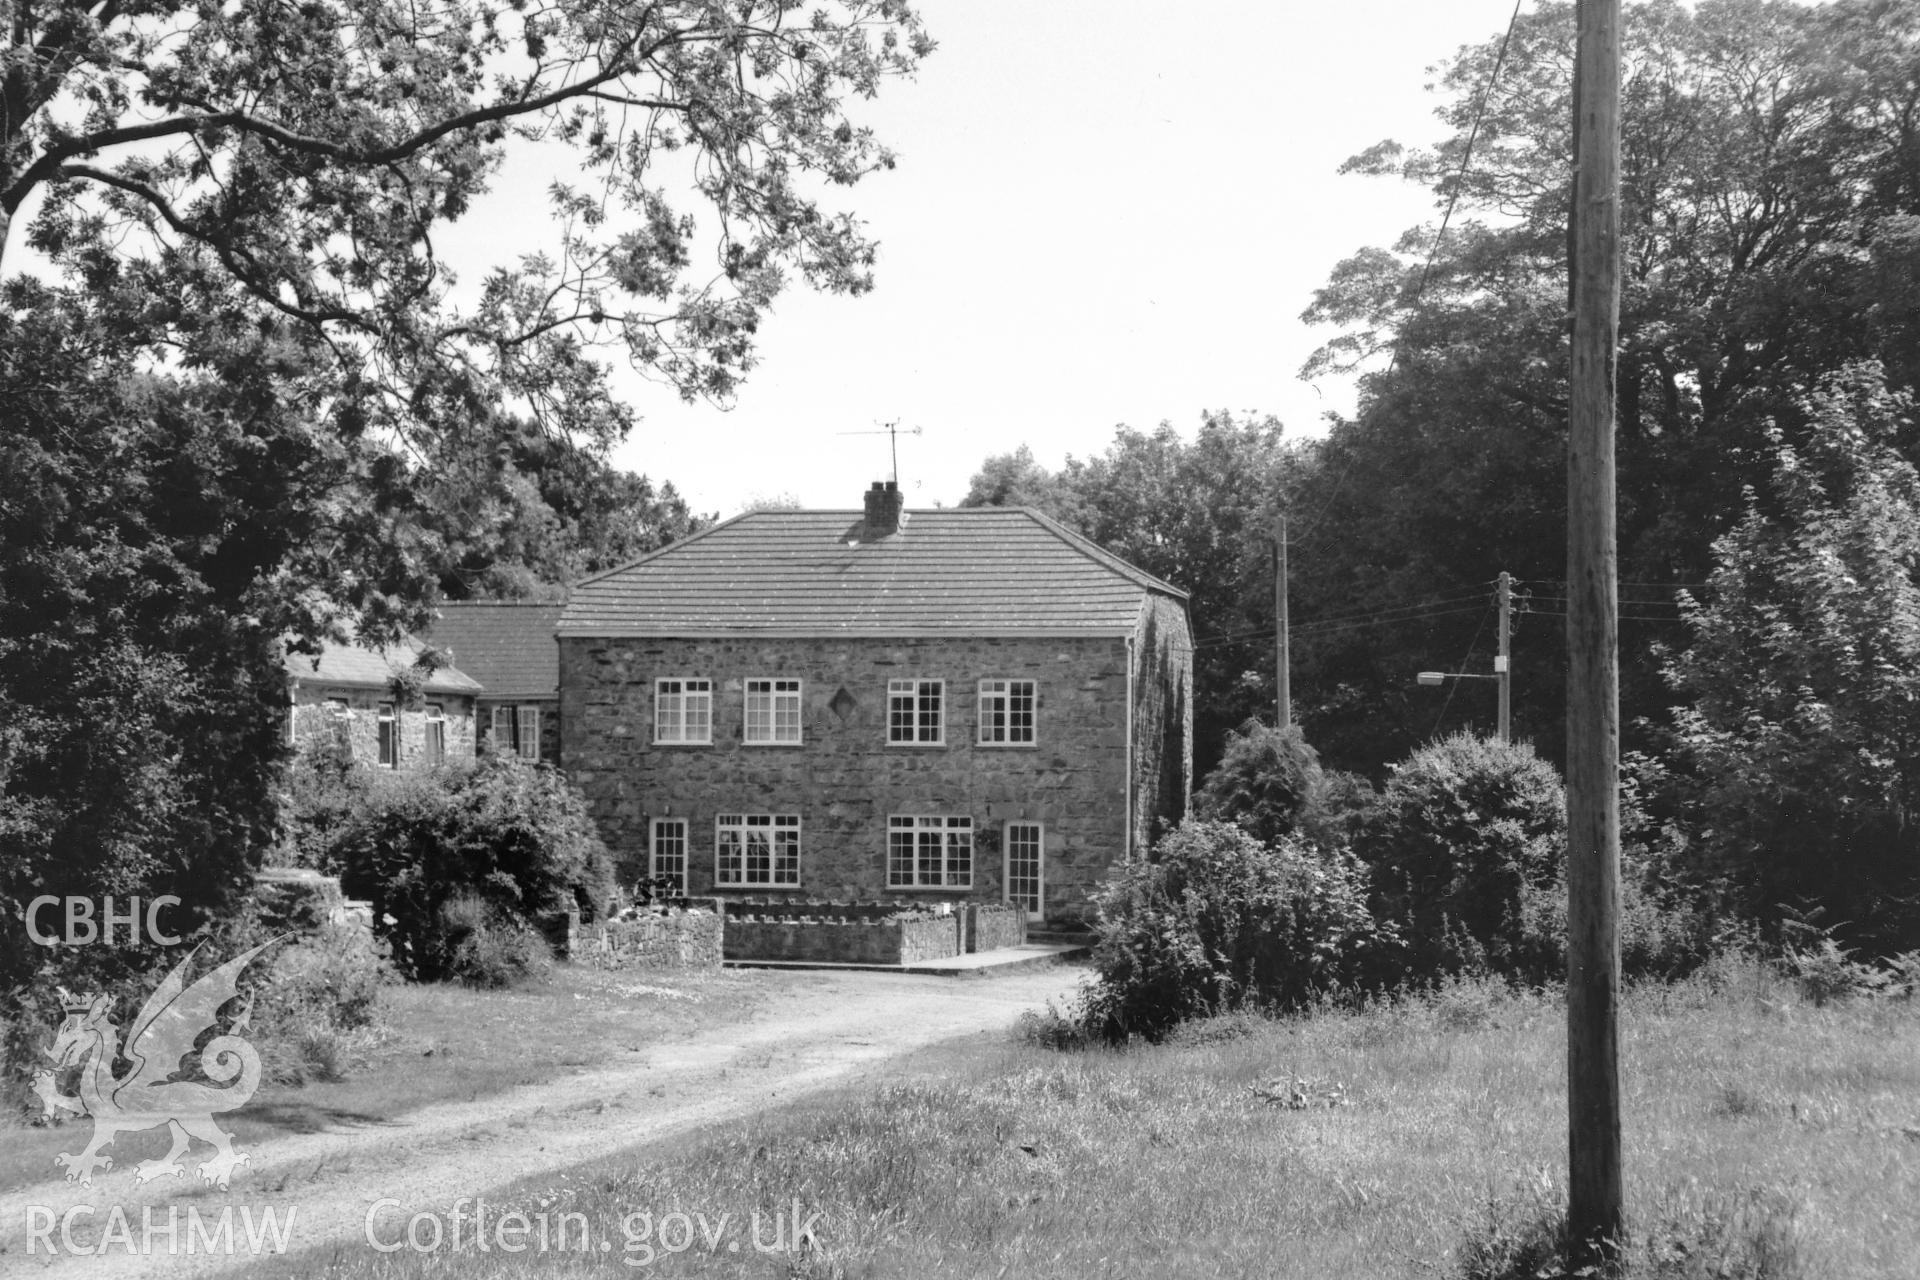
(757, 850)
(683, 711)
(916, 712)
(527, 720)
(1006, 712)
(773, 711)
(929, 852)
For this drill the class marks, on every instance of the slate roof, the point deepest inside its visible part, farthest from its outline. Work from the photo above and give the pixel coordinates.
(977, 570)
(361, 668)
(507, 646)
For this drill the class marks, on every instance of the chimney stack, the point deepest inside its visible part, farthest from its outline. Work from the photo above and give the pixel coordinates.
(883, 509)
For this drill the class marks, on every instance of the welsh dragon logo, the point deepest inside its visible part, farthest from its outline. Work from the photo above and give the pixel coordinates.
(147, 1096)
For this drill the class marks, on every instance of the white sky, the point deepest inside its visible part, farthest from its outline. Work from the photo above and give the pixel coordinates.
(1104, 213)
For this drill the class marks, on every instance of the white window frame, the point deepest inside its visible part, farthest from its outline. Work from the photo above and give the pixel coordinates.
(500, 732)
(687, 693)
(684, 836)
(996, 713)
(913, 691)
(734, 837)
(778, 697)
(433, 741)
(908, 844)
(386, 736)
(526, 725)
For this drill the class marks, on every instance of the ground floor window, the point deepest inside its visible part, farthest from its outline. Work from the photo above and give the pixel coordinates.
(929, 852)
(528, 720)
(669, 860)
(389, 737)
(757, 850)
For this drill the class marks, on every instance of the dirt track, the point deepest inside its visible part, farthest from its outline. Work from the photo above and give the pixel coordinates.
(846, 1025)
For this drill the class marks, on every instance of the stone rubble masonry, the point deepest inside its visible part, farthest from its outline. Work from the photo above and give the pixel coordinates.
(842, 940)
(844, 779)
(993, 925)
(680, 938)
(358, 724)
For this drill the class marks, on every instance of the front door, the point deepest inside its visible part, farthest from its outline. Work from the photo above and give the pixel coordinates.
(1026, 862)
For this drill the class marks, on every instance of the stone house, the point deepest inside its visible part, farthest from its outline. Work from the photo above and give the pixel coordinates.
(346, 695)
(930, 705)
(508, 647)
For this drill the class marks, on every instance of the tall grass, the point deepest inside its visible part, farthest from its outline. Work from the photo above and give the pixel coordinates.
(1766, 1137)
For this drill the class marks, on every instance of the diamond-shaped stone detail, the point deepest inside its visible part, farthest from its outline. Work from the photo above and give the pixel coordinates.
(842, 703)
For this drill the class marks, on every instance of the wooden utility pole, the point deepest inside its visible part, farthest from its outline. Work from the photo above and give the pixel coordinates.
(1282, 655)
(1503, 665)
(1595, 1219)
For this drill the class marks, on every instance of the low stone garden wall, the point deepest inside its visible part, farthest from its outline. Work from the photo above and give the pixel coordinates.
(841, 932)
(686, 933)
(867, 932)
(993, 925)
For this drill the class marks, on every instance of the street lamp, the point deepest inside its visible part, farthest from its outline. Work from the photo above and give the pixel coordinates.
(1499, 673)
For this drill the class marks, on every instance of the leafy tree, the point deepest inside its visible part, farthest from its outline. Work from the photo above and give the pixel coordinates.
(1798, 735)
(540, 512)
(1200, 515)
(310, 153)
(1768, 192)
(150, 526)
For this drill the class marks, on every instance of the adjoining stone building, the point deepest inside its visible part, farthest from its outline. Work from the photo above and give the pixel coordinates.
(508, 647)
(937, 705)
(346, 694)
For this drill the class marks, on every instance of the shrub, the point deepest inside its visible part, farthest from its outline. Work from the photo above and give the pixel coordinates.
(316, 1008)
(1266, 781)
(1465, 845)
(1216, 920)
(488, 948)
(512, 836)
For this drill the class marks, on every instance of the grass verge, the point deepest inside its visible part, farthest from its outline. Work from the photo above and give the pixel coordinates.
(1766, 1137)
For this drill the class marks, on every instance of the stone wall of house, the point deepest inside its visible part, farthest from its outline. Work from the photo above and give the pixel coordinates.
(1162, 722)
(690, 938)
(844, 779)
(355, 722)
(549, 724)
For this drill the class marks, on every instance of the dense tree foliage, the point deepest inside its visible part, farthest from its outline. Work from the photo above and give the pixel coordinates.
(159, 536)
(1769, 199)
(1199, 514)
(1797, 741)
